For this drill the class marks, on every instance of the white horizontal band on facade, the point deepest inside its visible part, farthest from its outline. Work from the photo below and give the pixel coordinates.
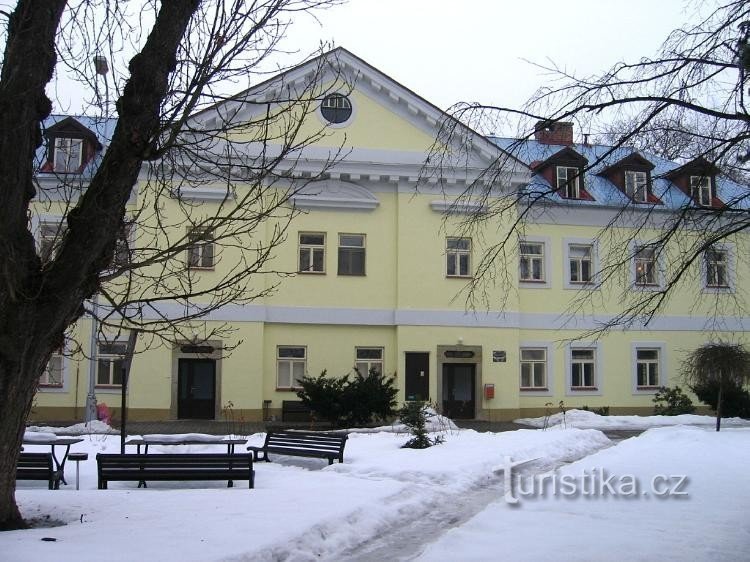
(450, 318)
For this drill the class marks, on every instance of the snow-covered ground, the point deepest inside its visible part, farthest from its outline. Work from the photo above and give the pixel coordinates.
(583, 419)
(364, 509)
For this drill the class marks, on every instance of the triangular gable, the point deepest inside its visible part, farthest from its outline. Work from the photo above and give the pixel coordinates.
(71, 127)
(566, 155)
(633, 161)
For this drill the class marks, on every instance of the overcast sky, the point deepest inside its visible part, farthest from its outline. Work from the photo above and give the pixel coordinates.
(474, 50)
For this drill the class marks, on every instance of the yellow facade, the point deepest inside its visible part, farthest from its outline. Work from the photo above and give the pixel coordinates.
(405, 302)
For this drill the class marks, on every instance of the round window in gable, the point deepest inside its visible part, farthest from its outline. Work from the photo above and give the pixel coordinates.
(336, 108)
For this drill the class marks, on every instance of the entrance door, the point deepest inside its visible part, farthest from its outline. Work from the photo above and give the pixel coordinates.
(417, 385)
(459, 390)
(196, 397)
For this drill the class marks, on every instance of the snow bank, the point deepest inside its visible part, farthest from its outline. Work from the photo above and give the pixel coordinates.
(583, 419)
(88, 428)
(435, 424)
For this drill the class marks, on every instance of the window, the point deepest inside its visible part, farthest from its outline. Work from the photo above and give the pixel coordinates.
(336, 108)
(369, 359)
(200, 251)
(636, 186)
(351, 254)
(567, 182)
(533, 369)
(53, 372)
(700, 190)
(458, 257)
(111, 359)
(123, 246)
(291, 366)
(312, 252)
(68, 155)
(582, 369)
(580, 258)
(532, 261)
(50, 237)
(645, 266)
(716, 268)
(647, 368)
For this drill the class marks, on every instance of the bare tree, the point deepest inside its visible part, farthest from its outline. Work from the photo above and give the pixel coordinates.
(177, 136)
(687, 104)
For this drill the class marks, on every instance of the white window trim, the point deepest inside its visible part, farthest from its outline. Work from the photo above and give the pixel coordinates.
(634, 244)
(693, 193)
(595, 282)
(729, 248)
(326, 123)
(575, 186)
(549, 346)
(65, 372)
(300, 246)
(363, 247)
(598, 373)
(369, 361)
(69, 140)
(546, 262)
(458, 253)
(663, 378)
(109, 389)
(36, 227)
(645, 186)
(291, 359)
(200, 243)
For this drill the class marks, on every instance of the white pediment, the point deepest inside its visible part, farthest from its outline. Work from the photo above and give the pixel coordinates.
(334, 194)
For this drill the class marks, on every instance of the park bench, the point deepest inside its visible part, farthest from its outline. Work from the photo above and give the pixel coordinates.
(38, 466)
(182, 466)
(302, 444)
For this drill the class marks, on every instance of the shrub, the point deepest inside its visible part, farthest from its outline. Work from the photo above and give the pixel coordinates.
(672, 402)
(603, 411)
(414, 416)
(735, 399)
(346, 402)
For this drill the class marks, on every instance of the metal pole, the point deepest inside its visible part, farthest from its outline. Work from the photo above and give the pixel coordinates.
(93, 362)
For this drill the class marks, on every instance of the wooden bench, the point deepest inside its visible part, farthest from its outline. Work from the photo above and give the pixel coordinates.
(38, 466)
(295, 411)
(182, 466)
(302, 444)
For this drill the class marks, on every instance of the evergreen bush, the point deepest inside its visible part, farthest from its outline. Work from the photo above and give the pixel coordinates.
(672, 402)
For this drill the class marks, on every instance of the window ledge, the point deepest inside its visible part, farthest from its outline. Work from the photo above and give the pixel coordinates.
(583, 388)
(535, 281)
(288, 389)
(534, 389)
(647, 387)
(459, 276)
(198, 268)
(312, 272)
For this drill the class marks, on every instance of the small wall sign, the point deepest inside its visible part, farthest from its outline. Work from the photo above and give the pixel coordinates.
(498, 357)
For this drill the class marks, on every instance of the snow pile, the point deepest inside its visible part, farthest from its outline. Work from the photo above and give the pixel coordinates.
(583, 419)
(435, 424)
(88, 428)
(709, 523)
(178, 437)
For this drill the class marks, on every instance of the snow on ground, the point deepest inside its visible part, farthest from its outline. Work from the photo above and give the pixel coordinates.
(92, 427)
(709, 523)
(584, 419)
(300, 509)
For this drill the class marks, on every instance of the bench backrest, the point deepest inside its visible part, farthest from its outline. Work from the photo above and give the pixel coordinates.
(218, 461)
(318, 442)
(35, 461)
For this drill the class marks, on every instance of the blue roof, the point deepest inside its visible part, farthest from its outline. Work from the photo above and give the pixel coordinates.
(101, 127)
(604, 192)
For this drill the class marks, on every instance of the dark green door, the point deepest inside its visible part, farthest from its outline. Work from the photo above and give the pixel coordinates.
(196, 381)
(417, 376)
(459, 390)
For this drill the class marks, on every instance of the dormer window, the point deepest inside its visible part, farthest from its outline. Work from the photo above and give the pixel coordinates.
(636, 186)
(68, 155)
(700, 190)
(568, 183)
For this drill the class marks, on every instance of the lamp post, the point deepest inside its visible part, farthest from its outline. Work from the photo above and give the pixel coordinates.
(101, 67)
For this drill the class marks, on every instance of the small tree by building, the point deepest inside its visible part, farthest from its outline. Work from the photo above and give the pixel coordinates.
(724, 365)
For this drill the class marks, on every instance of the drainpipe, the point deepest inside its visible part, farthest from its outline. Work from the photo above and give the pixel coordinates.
(90, 413)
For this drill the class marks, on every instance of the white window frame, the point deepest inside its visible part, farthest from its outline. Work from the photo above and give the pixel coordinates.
(549, 349)
(456, 254)
(58, 223)
(571, 189)
(545, 282)
(363, 247)
(311, 249)
(124, 245)
(597, 362)
(659, 346)
(197, 256)
(363, 365)
(595, 265)
(636, 185)
(533, 363)
(62, 146)
(701, 190)
(44, 384)
(291, 361)
(728, 250)
(112, 359)
(635, 246)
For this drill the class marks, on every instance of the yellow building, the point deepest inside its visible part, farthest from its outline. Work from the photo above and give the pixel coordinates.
(382, 263)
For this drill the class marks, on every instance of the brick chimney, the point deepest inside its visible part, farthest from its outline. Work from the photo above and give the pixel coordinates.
(557, 132)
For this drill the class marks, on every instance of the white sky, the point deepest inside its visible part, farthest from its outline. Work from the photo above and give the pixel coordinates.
(473, 50)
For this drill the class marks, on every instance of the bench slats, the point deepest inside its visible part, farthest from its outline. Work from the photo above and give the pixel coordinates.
(181, 466)
(302, 444)
(38, 466)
